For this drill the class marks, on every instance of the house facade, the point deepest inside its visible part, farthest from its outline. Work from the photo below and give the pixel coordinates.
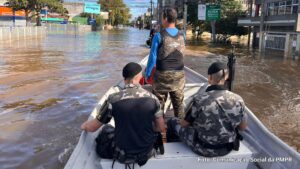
(279, 21)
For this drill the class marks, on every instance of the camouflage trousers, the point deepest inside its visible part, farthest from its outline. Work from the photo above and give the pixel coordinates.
(188, 136)
(172, 83)
(106, 148)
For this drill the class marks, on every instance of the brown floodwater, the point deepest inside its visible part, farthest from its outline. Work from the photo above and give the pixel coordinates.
(268, 82)
(48, 87)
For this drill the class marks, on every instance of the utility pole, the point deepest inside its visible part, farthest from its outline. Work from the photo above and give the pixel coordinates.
(261, 26)
(185, 16)
(161, 8)
(250, 15)
(151, 14)
(159, 12)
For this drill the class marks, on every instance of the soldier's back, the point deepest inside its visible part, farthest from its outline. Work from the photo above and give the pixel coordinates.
(218, 114)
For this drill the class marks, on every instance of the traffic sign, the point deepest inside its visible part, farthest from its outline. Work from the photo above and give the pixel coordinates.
(201, 12)
(92, 8)
(213, 12)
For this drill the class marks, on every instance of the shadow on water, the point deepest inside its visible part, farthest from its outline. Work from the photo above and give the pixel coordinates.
(49, 87)
(268, 82)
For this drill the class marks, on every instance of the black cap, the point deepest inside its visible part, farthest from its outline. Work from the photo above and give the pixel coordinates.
(131, 70)
(216, 67)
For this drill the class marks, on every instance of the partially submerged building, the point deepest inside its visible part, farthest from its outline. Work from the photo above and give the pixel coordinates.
(279, 21)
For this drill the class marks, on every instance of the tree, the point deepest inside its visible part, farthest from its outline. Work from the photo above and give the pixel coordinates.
(99, 20)
(37, 6)
(231, 10)
(119, 13)
(20, 5)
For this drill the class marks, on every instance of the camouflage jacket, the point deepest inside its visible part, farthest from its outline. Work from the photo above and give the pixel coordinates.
(215, 115)
(130, 91)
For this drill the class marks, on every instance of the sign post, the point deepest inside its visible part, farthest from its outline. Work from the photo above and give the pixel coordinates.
(213, 12)
(201, 12)
(92, 8)
(210, 13)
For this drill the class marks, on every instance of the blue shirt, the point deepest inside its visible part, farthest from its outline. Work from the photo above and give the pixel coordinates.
(154, 49)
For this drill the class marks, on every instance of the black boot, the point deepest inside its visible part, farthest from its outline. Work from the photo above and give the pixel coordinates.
(172, 135)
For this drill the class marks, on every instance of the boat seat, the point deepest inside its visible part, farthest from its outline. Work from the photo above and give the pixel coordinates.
(179, 156)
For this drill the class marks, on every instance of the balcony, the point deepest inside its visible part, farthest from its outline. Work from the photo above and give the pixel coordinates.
(279, 20)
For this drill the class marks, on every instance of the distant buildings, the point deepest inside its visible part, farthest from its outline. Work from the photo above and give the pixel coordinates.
(280, 24)
(2, 2)
(278, 15)
(10, 18)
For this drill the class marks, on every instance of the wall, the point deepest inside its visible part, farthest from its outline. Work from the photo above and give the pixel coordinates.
(74, 9)
(67, 28)
(10, 34)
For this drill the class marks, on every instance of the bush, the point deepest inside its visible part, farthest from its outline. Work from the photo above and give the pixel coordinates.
(99, 20)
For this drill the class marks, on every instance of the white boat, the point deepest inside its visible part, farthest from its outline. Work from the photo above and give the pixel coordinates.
(260, 148)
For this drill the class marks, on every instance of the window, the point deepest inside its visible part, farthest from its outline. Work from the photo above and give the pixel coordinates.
(295, 2)
(288, 9)
(294, 9)
(281, 9)
(274, 8)
(270, 9)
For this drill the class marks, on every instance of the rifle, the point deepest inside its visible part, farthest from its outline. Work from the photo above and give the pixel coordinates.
(231, 68)
(159, 144)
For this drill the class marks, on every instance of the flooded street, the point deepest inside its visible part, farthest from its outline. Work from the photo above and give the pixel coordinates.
(49, 87)
(269, 84)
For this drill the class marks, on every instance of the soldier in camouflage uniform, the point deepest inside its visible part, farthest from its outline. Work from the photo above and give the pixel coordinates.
(210, 126)
(167, 52)
(134, 111)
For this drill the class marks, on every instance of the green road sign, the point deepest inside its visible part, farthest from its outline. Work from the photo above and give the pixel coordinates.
(92, 8)
(213, 12)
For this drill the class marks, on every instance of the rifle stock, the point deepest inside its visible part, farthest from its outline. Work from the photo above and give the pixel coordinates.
(231, 68)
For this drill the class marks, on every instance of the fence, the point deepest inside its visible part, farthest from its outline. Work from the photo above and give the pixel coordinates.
(289, 42)
(9, 34)
(275, 41)
(67, 28)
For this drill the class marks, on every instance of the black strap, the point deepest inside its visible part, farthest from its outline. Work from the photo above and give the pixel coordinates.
(128, 165)
(112, 166)
(228, 146)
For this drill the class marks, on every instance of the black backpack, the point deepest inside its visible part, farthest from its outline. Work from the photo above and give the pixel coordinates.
(105, 146)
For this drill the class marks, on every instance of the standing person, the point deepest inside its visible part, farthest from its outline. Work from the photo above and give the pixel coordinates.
(211, 126)
(134, 110)
(151, 35)
(167, 54)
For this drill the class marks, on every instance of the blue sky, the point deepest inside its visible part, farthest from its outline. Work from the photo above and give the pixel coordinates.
(138, 7)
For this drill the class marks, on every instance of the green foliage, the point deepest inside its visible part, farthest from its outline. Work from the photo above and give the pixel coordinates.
(231, 10)
(86, 15)
(80, 20)
(99, 20)
(37, 6)
(119, 13)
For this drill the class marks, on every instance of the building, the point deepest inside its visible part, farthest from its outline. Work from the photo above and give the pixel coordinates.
(278, 15)
(2, 2)
(279, 21)
(10, 18)
(74, 9)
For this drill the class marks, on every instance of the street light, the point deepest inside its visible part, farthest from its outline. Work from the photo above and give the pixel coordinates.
(110, 20)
